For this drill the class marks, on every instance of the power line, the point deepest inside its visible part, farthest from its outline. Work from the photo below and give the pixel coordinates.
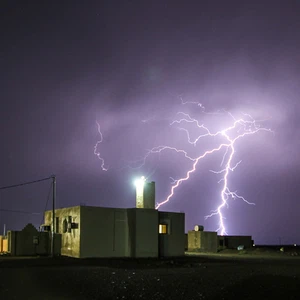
(53, 177)
(19, 211)
(25, 183)
(47, 201)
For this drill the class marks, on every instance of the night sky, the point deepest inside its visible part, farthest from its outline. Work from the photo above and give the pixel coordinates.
(129, 65)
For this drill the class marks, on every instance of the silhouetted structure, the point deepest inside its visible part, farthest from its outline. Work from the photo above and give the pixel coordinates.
(28, 242)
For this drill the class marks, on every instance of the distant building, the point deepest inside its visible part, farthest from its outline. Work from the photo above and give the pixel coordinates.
(28, 242)
(199, 240)
(89, 231)
(234, 241)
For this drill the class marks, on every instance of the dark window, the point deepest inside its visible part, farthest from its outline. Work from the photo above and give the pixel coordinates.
(57, 224)
(65, 226)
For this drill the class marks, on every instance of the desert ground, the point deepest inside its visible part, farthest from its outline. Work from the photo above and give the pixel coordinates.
(258, 274)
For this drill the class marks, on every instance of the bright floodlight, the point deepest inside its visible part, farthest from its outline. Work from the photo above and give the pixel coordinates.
(140, 182)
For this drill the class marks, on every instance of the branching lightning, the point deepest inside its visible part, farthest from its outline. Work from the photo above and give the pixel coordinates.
(239, 129)
(96, 151)
(227, 139)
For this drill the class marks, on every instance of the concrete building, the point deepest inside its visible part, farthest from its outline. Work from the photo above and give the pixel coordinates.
(202, 241)
(89, 231)
(206, 241)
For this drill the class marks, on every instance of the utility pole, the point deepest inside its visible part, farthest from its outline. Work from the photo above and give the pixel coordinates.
(53, 177)
(53, 213)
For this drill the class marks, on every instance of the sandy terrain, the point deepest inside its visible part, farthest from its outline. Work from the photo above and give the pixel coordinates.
(201, 276)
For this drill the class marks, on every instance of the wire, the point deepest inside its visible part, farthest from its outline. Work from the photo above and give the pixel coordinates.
(42, 222)
(25, 183)
(19, 211)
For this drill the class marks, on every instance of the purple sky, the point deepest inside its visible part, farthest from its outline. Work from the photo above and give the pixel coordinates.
(64, 67)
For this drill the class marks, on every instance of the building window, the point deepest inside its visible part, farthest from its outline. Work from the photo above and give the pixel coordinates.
(9, 241)
(163, 229)
(65, 226)
(69, 223)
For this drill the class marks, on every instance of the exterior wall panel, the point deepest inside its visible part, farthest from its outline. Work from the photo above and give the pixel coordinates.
(146, 232)
(206, 241)
(104, 232)
(70, 237)
(173, 242)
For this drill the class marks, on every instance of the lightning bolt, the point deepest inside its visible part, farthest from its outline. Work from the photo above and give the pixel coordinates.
(96, 152)
(229, 136)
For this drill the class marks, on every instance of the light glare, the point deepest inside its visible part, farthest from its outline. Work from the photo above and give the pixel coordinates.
(140, 182)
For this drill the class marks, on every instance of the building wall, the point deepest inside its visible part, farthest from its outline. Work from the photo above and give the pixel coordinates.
(1, 243)
(149, 195)
(206, 241)
(104, 232)
(70, 237)
(173, 242)
(140, 194)
(186, 242)
(143, 232)
(145, 195)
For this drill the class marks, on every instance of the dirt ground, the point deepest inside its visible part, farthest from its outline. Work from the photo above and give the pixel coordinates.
(201, 276)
